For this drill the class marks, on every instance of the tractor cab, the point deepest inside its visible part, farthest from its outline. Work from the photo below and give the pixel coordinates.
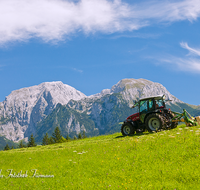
(149, 105)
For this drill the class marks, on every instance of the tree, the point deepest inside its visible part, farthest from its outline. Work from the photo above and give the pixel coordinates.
(57, 135)
(21, 144)
(46, 140)
(62, 140)
(51, 140)
(12, 147)
(31, 141)
(67, 138)
(84, 135)
(79, 136)
(75, 138)
(6, 147)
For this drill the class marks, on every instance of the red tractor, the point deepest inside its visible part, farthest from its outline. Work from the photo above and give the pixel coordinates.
(153, 116)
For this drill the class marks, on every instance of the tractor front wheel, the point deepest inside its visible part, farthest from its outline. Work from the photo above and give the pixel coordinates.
(127, 129)
(154, 122)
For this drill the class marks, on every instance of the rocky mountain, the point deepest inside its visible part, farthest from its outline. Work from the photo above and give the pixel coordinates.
(132, 89)
(23, 109)
(39, 109)
(103, 111)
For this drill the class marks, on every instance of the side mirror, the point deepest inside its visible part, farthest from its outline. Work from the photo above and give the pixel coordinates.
(135, 104)
(164, 97)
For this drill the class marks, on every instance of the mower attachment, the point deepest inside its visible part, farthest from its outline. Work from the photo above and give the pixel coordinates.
(186, 117)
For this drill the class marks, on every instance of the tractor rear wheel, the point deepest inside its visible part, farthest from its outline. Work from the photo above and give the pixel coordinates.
(127, 129)
(154, 122)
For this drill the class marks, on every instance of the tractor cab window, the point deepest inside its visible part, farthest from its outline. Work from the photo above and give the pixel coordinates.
(151, 104)
(143, 106)
(159, 103)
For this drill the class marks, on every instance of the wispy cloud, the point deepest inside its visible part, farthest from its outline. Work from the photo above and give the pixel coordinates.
(169, 11)
(187, 63)
(77, 70)
(191, 50)
(68, 68)
(55, 20)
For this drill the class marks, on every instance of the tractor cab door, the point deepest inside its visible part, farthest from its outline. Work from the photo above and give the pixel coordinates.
(145, 106)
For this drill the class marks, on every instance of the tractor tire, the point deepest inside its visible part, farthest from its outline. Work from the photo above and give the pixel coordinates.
(127, 129)
(154, 122)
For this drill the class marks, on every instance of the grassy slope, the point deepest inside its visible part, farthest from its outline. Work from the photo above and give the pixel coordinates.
(4, 141)
(164, 160)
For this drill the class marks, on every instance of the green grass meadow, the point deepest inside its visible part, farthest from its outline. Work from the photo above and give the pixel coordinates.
(164, 160)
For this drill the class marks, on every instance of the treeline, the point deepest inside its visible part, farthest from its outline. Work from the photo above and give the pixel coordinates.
(55, 138)
(58, 138)
(31, 143)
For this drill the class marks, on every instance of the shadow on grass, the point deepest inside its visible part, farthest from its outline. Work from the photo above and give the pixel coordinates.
(136, 135)
(148, 133)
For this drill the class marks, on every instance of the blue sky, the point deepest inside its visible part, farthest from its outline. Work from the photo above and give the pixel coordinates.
(93, 44)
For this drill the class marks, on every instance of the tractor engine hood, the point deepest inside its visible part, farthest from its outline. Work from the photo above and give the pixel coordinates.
(134, 117)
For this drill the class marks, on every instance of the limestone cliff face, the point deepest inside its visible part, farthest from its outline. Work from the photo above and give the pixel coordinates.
(23, 109)
(132, 89)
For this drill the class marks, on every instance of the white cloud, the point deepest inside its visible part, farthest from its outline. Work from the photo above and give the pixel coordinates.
(191, 50)
(189, 64)
(169, 11)
(54, 20)
(77, 70)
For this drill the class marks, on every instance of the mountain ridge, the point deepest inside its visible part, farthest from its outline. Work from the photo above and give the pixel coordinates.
(27, 110)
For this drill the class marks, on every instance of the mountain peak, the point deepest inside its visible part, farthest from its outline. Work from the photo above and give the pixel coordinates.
(25, 107)
(129, 83)
(132, 89)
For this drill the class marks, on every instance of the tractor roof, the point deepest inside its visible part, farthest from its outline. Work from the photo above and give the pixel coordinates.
(155, 97)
